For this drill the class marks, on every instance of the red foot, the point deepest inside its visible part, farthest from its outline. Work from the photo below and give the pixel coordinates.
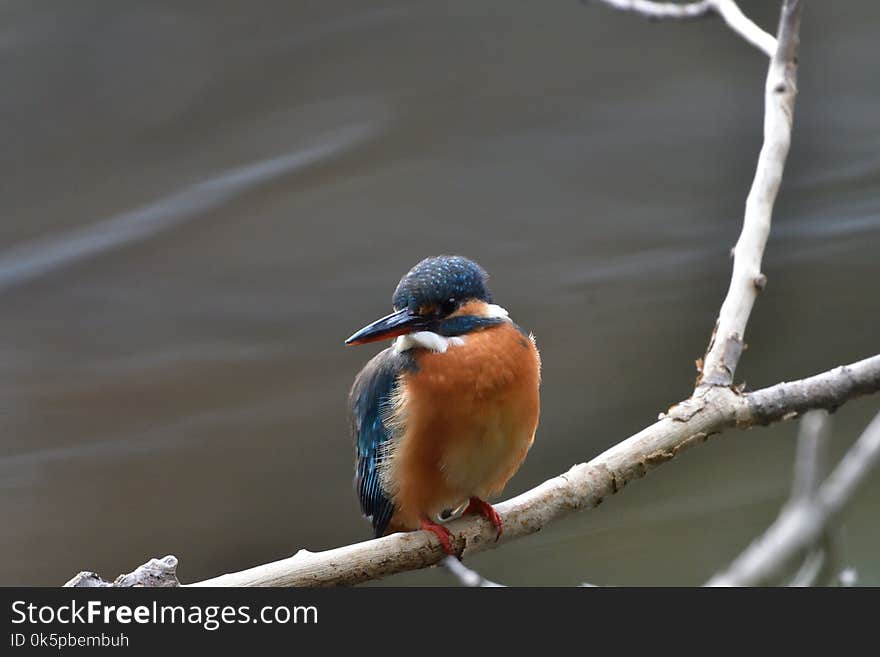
(476, 505)
(440, 532)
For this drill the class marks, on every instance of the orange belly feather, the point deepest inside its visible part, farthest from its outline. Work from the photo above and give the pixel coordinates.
(466, 419)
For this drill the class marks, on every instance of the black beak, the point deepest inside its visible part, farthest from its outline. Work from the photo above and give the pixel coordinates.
(397, 323)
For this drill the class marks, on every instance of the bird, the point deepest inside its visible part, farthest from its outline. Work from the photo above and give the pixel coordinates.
(443, 417)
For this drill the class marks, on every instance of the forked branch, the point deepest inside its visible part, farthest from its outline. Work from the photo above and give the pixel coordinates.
(728, 10)
(802, 523)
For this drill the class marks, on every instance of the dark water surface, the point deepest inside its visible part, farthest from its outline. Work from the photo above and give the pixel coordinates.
(201, 200)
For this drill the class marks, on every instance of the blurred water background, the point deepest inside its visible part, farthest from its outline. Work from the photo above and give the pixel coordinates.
(201, 200)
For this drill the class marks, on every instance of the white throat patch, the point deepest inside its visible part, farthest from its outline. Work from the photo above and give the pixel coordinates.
(439, 343)
(427, 340)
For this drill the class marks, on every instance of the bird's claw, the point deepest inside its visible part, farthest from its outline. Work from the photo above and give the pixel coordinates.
(442, 533)
(476, 505)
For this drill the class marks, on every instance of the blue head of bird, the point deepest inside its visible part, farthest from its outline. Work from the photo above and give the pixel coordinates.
(427, 298)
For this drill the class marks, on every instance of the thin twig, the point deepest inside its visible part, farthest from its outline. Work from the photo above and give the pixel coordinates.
(727, 9)
(810, 467)
(818, 566)
(466, 576)
(747, 281)
(810, 461)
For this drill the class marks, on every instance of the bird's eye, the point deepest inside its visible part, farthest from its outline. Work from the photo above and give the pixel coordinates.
(448, 306)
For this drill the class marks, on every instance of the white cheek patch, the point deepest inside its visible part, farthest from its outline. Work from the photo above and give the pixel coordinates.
(426, 340)
(493, 310)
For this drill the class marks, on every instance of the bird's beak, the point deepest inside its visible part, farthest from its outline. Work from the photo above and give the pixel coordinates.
(390, 326)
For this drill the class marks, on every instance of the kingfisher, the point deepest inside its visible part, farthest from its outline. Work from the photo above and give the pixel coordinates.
(445, 416)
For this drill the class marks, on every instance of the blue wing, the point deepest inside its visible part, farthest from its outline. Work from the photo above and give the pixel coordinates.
(370, 394)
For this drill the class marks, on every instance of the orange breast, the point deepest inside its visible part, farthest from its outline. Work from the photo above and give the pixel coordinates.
(467, 418)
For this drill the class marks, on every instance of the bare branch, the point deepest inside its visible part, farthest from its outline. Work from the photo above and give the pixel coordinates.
(727, 342)
(810, 467)
(87, 579)
(828, 390)
(663, 10)
(584, 486)
(810, 462)
(154, 573)
(819, 567)
(801, 525)
(727, 9)
(466, 576)
(812, 570)
(852, 469)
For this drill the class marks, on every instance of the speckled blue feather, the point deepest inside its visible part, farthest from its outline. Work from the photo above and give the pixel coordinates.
(440, 280)
(370, 395)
